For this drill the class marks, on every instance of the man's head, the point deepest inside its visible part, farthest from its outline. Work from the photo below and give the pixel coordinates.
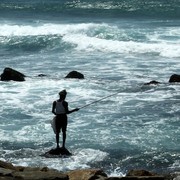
(62, 94)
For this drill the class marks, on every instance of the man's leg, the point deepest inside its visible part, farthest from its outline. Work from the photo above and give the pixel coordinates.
(57, 139)
(64, 139)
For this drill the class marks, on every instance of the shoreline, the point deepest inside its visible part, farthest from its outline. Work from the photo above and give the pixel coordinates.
(10, 172)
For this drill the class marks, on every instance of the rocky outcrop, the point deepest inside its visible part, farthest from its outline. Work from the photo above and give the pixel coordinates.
(10, 172)
(58, 152)
(11, 74)
(87, 174)
(75, 74)
(140, 174)
(174, 78)
(39, 175)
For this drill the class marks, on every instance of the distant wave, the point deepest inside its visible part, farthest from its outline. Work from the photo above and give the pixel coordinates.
(89, 37)
(94, 8)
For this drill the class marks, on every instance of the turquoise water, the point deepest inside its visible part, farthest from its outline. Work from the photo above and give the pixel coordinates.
(118, 46)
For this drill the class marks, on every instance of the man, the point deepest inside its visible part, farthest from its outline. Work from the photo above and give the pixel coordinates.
(60, 109)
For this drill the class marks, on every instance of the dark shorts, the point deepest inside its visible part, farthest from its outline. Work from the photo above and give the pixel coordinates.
(61, 123)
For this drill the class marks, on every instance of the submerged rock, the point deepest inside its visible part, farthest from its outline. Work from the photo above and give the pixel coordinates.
(75, 74)
(11, 74)
(42, 75)
(152, 82)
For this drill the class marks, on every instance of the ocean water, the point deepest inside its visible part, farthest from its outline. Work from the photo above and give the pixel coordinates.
(118, 45)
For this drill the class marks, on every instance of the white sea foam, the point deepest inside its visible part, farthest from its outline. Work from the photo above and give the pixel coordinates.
(78, 34)
(139, 118)
(84, 42)
(45, 29)
(80, 159)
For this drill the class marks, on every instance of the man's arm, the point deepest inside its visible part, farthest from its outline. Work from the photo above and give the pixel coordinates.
(53, 107)
(65, 104)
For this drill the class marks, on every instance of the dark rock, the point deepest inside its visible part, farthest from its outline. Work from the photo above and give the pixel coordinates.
(152, 82)
(42, 75)
(40, 175)
(5, 172)
(143, 175)
(7, 165)
(115, 178)
(11, 74)
(10, 172)
(138, 178)
(75, 74)
(140, 172)
(174, 78)
(7, 178)
(58, 152)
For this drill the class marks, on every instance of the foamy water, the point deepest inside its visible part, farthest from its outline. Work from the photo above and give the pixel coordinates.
(137, 127)
(89, 37)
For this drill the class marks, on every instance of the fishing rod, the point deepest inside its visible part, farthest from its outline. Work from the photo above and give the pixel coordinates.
(99, 100)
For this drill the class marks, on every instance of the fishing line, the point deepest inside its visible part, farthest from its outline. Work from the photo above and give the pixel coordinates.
(99, 100)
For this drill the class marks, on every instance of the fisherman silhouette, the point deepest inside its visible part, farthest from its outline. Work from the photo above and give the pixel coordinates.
(60, 109)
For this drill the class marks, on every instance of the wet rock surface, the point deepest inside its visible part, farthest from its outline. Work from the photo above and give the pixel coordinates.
(10, 172)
